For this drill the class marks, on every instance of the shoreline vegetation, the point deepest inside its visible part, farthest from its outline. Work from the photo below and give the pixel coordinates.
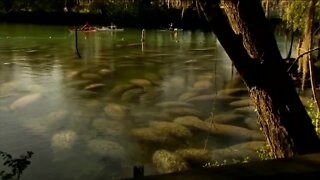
(151, 19)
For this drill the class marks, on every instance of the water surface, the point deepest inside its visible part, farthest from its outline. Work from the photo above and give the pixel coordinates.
(83, 117)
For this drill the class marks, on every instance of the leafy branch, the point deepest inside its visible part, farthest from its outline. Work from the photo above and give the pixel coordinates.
(17, 165)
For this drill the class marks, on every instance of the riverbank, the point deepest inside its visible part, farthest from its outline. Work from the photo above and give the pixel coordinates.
(306, 166)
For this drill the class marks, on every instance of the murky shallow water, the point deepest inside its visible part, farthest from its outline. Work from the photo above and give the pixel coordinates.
(116, 107)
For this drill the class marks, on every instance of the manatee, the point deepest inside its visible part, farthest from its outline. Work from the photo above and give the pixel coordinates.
(172, 129)
(229, 118)
(237, 133)
(25, 101)
(116, 111)
(187, 95)
(203, 86)
(246, 110)
(43, 124)
(113, 128)
(72, 74)
(242, 103)
(132, 95)
(77, 83)
(151, 96)
(35, 88)
(172, 104)
(144, 83)
(8, 87)
(91, 76)
(119, 89)
(105, 72)
(252, 123)
(63, 140)
(206, 76)
(238, 152)
(93, 87)
(234, 92)
(211, 98)
(107, 149)
(183, 111)
(168, 162)
(153, 135)
(195, 157)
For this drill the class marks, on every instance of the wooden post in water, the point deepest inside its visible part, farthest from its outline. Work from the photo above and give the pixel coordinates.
(138, 171)
(142, 39)
(142, 35)
(76, 34)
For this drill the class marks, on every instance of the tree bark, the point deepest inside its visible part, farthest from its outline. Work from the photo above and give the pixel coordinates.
(267, 8)
(251, 46)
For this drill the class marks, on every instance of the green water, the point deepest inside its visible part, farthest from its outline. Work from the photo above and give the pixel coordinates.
(48, 106)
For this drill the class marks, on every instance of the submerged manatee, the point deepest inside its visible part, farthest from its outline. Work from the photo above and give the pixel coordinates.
(234, 92)
(242, 103)
(24, 101)
(63, 140)
(116, 111)
(238, 152)
(111, 128)
(239, 134)
(173, 104)
(144, 83)
(119, 89)
(91, 76)
(229, 118)
(132, 95)
(105, 72)
(173, 129)
(8, 87)
(35, 88)
(93, 87)
(195, 157)
(168, 162)
(107, 149)
(203, 86)
(43, 124)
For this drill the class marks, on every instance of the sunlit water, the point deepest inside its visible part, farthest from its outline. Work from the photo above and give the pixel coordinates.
(97, 116)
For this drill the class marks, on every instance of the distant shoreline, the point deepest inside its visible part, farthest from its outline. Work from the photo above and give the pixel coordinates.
(190, 21)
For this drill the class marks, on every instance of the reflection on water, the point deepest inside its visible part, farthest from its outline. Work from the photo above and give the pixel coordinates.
(122, 104)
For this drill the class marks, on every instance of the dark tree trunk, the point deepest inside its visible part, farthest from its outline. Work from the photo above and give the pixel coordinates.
(250, 44)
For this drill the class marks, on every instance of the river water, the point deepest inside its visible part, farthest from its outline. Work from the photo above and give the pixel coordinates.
(99, 115)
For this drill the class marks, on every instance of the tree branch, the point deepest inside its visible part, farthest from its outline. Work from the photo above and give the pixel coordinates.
(301, 55)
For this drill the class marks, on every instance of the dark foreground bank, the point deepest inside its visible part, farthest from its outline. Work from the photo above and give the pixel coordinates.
(306, 167)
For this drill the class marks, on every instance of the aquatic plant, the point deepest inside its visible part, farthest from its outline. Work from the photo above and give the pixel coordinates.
(264, 152)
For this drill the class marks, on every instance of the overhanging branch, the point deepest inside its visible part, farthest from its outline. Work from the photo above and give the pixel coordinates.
(301, 55)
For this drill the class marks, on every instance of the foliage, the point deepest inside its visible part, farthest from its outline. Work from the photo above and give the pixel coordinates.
(225, 162)
(313, 113)
(295, 14)
(264, 152)
(17, 165)
(137, 13)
